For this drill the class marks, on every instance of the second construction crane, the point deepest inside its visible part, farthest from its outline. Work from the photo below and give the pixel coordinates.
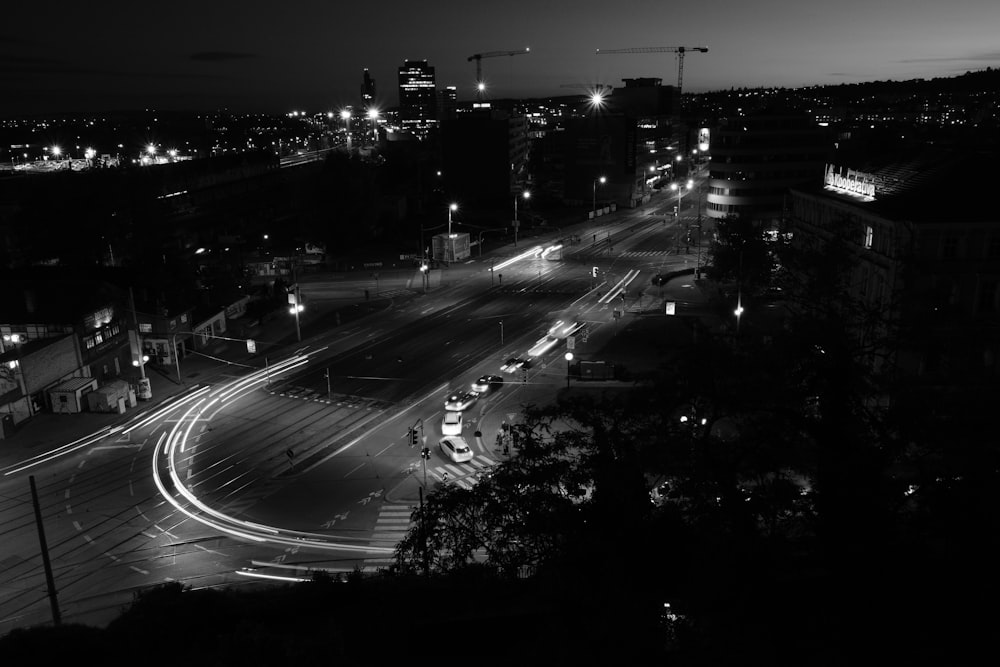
(679, 50)
(478, 57)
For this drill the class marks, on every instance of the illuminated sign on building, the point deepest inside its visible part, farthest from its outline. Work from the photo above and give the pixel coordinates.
(853, 183)
(703, 139)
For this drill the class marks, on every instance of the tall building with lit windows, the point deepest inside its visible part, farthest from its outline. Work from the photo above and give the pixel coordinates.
(367, 90)
(417, 97)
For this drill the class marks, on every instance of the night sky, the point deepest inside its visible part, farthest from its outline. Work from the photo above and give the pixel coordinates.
(257, 56)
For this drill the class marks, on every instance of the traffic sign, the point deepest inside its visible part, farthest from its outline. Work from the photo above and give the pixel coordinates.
(251, 346)
(570, 342)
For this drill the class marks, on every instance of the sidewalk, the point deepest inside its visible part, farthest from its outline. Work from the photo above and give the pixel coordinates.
(276, 338)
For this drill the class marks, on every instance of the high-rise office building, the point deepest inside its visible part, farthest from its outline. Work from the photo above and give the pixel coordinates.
(417, 97)
(367, 90)
(448, 100)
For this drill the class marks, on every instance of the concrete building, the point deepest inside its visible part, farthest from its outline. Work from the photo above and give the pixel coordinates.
(929, 262)
(758, 157)
(57, 327)
(484, 154)
(417, 97)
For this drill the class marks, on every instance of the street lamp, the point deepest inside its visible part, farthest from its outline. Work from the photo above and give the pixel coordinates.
(569, 358)
(739, 294)
(373, 119)
(527, 195)
(295, 300)
(677, 215)
(451, 207)
(602, 180)
(346, 117)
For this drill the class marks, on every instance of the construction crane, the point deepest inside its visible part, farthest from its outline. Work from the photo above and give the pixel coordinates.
(478, 57)
(679, 50)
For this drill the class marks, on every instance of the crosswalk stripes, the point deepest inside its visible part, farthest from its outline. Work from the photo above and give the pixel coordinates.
(462, 474)
(393, 522)
(395, 292)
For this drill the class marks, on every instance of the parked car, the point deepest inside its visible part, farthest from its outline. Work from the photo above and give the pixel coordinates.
(451, 423)
(461, 401)
(455, 448)
(487, 382)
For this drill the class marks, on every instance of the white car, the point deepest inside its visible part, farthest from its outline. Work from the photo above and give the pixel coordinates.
(451, 423)
(487, 382)
(543, 345)
(514, 364)
(461, 401)
(455, 448)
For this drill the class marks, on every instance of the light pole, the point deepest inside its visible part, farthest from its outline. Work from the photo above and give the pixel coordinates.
(501, 333)
(677, 215)
(373, 119)
(296, 308)
(527, 195)
(739, 296)
(569, 358)
(697, 265)
(346, 116)
(451, 207)
(602, 179)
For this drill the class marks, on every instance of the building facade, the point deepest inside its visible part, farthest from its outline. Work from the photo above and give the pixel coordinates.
(484, 154)
(930, 264)
(417, 97)
(758, 157)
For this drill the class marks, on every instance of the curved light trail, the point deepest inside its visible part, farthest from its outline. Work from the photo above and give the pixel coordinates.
(184, 501)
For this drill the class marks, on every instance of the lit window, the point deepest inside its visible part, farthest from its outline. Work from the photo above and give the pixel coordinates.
(869, 233)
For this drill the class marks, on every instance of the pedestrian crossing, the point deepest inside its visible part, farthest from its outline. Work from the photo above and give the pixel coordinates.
(628, 253)
(465, 475)
(393, 522)
(392, 293)
(339, 400)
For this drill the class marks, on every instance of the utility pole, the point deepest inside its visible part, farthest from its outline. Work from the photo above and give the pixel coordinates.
(49, 580)
(138, 340)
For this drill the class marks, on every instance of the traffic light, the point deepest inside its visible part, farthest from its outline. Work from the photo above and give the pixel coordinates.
(425, 453)
(593, 272)
(414, 437)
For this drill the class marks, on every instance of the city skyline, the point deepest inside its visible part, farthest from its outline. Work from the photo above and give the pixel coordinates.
(256, 58)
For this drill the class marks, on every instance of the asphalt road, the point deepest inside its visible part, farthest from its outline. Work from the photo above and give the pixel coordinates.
(301, 463)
